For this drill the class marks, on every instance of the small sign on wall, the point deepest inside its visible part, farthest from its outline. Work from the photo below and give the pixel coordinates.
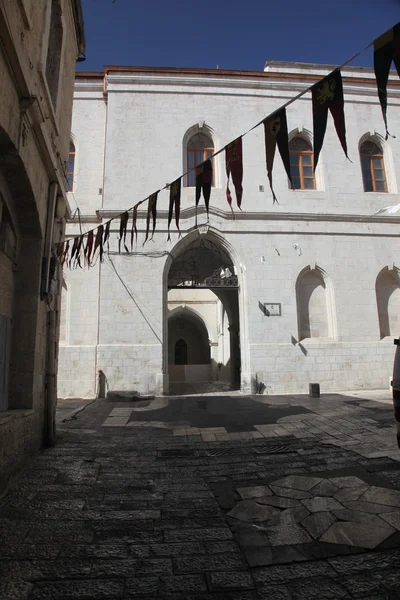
(272, 309)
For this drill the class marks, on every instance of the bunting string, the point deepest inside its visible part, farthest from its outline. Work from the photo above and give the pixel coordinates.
(326, 94)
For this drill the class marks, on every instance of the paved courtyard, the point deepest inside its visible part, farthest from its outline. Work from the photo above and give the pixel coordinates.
(218, 496)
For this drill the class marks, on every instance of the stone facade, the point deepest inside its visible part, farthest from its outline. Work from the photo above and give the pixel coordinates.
(40, 43)
(322, 254)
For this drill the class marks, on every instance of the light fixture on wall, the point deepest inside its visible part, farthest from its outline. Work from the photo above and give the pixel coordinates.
(297, 248)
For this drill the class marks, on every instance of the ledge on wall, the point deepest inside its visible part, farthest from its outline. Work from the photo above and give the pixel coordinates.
(11, 415)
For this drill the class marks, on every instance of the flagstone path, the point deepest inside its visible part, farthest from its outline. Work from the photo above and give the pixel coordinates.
(298, 512)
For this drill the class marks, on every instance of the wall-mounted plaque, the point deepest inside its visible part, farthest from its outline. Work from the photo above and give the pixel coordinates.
(272, 310)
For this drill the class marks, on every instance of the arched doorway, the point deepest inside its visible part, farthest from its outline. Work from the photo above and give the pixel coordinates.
(201, 277)
(189, 357)
(22, 317)
(180, 353)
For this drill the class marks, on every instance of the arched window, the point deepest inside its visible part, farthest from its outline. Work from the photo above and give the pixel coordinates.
(373, 167)
(181, 352)
(71, 167)
(199, 147)
(302, 164)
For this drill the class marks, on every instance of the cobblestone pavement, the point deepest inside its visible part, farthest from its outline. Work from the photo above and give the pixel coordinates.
(219, 497)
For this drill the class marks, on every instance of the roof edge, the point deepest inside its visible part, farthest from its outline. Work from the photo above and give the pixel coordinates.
(79, 25)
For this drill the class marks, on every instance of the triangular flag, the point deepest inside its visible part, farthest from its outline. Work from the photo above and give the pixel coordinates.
(73, 250)
(151, 212)
(65, 254)
(204, 176)
(234, 167)
(123, 224)
(328, 94)
(386, 50)
(134, 228)
(276, 132)
(89, 247)
(99, 242)
(174, 201)
(107, 231)
(60, 250)
(78, 252)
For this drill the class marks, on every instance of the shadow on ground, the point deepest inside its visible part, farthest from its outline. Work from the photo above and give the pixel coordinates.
(219, 411)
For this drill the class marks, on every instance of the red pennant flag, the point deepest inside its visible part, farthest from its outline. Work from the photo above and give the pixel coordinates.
(386, 50)
(276, 132)
(327, 94)
(151, 211)
(174, 201)
(234, 167)
(204, 176)
(134, 228)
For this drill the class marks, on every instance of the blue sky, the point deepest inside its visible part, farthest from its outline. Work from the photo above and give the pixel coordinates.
(234, 34)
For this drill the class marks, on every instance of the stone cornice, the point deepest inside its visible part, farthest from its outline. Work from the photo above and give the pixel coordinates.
(188, 213)
(358, 82)
(141, 83)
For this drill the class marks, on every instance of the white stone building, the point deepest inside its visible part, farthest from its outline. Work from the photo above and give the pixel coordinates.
(287, 294)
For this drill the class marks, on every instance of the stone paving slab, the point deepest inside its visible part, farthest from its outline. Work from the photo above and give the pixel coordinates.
(134, 511)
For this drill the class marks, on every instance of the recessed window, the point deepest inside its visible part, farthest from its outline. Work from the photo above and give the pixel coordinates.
(71, 167)
(54, 49)
(200, 147)
(373, 167)
(302, 164)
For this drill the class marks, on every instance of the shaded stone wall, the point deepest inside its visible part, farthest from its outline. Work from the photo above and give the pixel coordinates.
(34, 143)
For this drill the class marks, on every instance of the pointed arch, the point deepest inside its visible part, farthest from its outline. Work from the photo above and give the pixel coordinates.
(186, 325)
(192, 313)
(316, 316)
(178, 249)
(387, 289)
